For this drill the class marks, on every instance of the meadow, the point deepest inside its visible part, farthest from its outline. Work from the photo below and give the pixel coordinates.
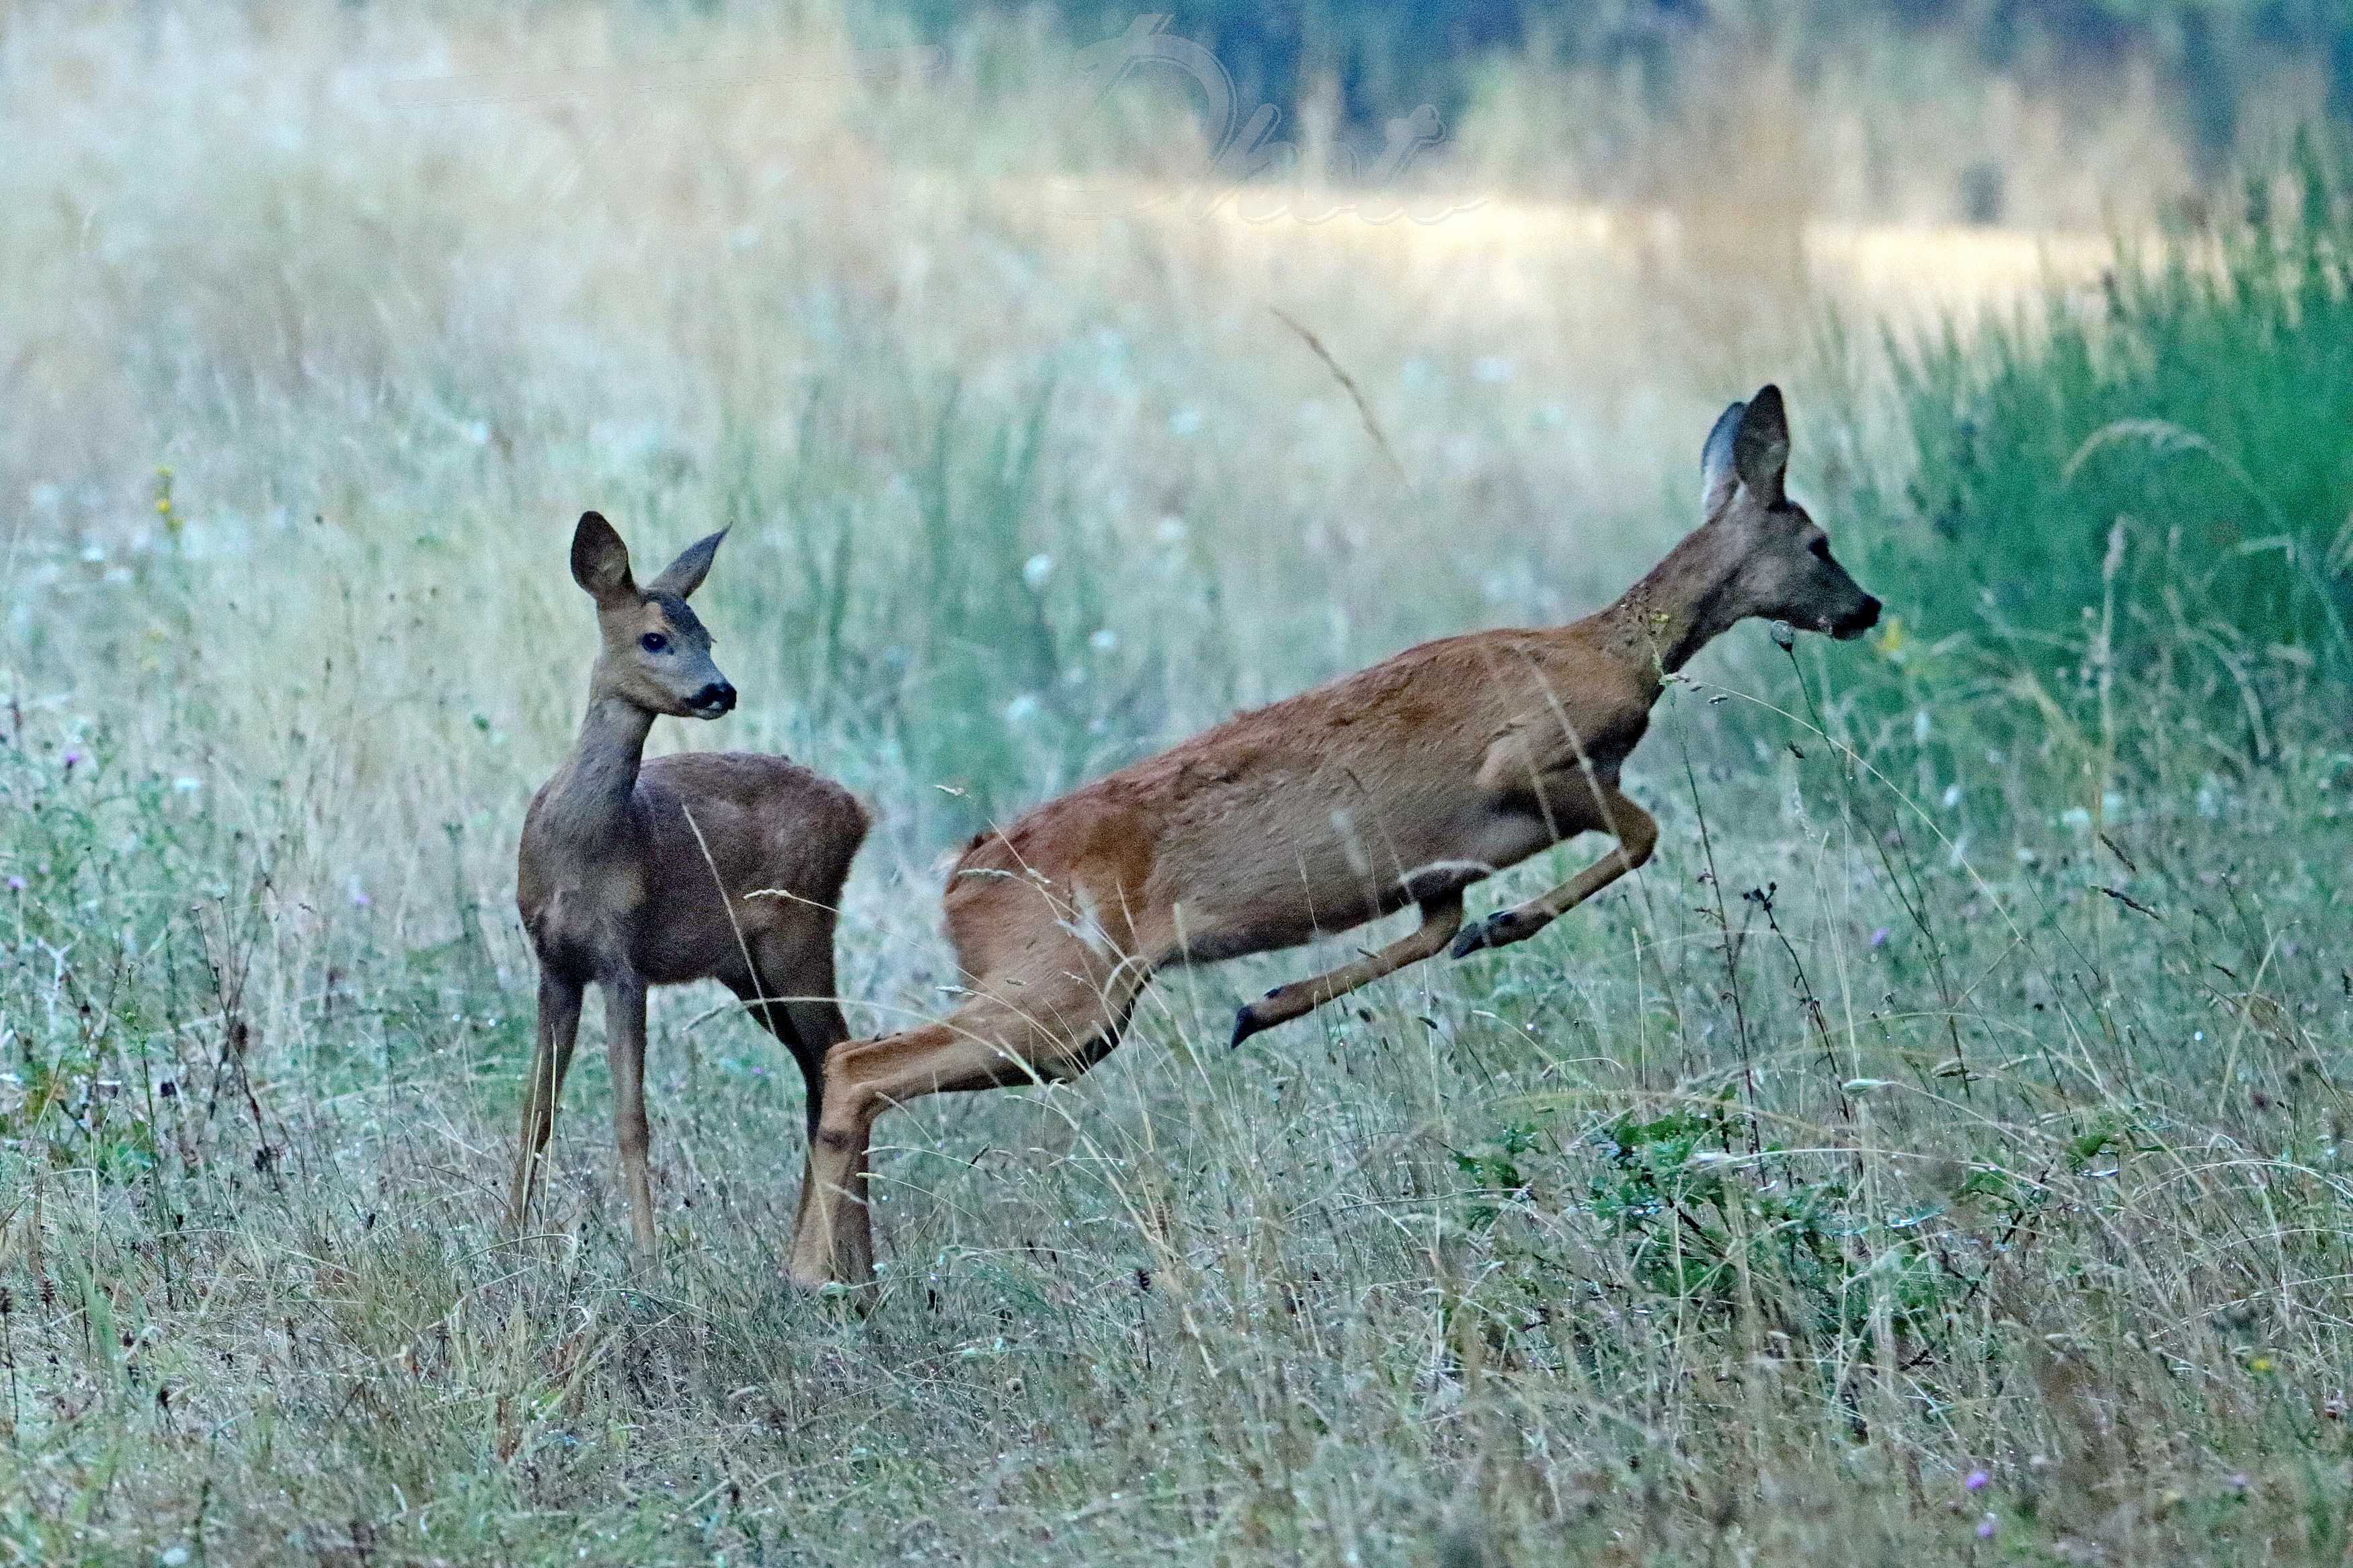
(1936, 1154)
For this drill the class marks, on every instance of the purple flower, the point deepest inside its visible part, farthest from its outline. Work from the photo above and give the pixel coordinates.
(1976, 1480)
(15, 884)
(71, 758)
(1878, 937)
(1985, 1528)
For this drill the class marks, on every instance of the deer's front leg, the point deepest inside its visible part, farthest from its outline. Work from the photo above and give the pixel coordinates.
(1440, 917)
(559, 1027)
(625, 1050)
(1637, 835)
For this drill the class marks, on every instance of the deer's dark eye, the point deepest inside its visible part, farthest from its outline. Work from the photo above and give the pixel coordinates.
(654, 642)
(1820, 547)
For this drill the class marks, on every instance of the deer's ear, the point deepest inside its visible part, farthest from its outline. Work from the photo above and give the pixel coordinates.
(1716, 476)
(1760, 453)
(685, 575)
(600, 562)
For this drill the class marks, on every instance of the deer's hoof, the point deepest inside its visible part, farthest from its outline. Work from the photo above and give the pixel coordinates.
(1497, 930)
(1247, 1023)
(825, 1290)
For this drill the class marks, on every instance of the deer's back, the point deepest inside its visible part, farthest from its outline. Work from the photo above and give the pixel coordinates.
(767, 821)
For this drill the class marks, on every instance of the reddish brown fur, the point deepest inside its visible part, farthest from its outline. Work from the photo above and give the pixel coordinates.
(1402, 783)
(701, 865)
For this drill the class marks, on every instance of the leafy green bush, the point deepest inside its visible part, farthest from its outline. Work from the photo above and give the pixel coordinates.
(1699, 1214)
(1704, 1222)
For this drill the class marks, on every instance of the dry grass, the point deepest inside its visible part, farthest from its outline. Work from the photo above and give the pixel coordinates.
(311, 358)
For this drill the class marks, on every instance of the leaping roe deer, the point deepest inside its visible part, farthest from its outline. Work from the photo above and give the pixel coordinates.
(1403, 784)
(694, 867)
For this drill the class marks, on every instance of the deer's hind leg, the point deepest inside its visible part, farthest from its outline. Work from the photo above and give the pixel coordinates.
(1049, 1022)
(624, 1051)
(1440, 915)
(790, 993)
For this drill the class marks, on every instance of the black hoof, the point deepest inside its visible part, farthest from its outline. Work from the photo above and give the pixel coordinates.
(1497, 930)
(1246, 1024)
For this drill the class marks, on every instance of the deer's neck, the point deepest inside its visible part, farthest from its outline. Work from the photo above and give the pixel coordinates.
(591, 794)
(1682, 604)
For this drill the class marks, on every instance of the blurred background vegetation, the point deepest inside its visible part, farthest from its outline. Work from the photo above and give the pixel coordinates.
(2213, 60)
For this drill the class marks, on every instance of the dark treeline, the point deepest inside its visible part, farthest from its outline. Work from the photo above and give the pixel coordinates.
(1385, 57)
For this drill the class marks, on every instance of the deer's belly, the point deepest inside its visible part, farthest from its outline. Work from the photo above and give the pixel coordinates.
(1282, 893)
(673, 955)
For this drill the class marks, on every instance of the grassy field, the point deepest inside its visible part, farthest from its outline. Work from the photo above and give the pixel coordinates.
(1937, 1154)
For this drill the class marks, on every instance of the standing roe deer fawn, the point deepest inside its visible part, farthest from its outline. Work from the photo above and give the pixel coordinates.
(1403, 784)
(694, 867)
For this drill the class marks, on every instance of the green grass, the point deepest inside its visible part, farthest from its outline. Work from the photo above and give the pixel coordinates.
(2166, 455)
(1638, 1240)
(1962, 1090)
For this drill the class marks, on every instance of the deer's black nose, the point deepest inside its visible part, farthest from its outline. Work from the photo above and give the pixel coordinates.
(714, 699)
(1860, 621)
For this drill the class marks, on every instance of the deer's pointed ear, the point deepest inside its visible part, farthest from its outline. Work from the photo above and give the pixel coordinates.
(1760, 452)
(1716, 476)
(685, 575)
(600, 562)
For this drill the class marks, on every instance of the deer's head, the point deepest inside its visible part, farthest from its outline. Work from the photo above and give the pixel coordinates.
(656, 653)
(1780, 564)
